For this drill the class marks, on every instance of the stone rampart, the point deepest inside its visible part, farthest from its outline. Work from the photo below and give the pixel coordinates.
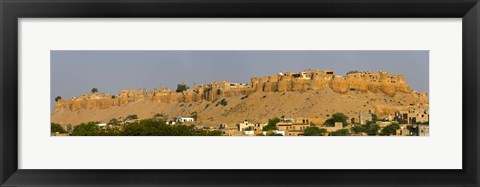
(283, 82)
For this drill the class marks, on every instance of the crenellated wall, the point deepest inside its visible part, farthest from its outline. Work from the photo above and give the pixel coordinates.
(283, 82)
(317, 80)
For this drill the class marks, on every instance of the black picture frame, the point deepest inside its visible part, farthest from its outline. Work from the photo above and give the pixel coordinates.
(12, 10)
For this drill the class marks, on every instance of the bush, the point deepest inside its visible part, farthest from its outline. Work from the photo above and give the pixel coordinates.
(314, 131)
(86, 129)
(148, 127)
(370, 128)
(341, 132)
(390, 129)
(222, 102)
(374, 118)
(358, 129)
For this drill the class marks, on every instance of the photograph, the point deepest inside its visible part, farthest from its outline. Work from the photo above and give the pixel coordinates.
(239, 93)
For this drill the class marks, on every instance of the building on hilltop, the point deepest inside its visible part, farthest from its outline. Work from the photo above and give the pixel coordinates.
(305, 80)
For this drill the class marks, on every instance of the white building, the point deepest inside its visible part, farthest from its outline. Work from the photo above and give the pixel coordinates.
(184, 120)
(245, 125)
(102, 124)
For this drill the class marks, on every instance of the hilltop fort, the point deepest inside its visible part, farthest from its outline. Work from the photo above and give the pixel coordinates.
(310, 93)
(374, 82)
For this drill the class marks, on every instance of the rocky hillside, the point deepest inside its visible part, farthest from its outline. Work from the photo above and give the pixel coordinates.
(257, 107)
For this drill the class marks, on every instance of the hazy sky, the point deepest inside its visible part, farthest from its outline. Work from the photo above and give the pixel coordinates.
(77, 72)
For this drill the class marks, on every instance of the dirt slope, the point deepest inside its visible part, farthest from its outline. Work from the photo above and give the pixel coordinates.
(258, 107)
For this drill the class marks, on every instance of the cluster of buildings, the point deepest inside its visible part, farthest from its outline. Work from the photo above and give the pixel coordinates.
(296, 126)
(413, 122)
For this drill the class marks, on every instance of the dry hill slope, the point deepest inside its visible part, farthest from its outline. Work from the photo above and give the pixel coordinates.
(257, 107)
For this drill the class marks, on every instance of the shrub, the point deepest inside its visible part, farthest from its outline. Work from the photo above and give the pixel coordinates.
(86, 129)
(390, 129)
(222, 102)
(341, 132)
(314, 131)
(147, 127)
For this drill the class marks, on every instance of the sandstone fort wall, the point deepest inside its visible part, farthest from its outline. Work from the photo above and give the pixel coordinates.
(375, 82)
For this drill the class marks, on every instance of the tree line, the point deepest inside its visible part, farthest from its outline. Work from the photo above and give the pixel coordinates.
(147, 127)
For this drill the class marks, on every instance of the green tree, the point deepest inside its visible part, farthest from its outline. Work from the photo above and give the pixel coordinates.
(151, 127)
(390, 129)
(358, 129)
(341, 132)
(86, 129)
(314, 131)
(54, 127)
(337, 117)
(146, 127)
(271, 125)
(374, 118)
(372, 129)
(94, 90)
(57, 98)
(182, 87)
